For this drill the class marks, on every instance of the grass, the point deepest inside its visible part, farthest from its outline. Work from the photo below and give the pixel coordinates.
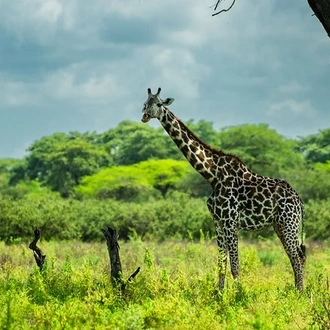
(176, 288)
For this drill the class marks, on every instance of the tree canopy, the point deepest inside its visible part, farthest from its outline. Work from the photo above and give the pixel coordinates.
(60, 161)
(127, 182)
(135, 177)
(316, 147)
(261, 148)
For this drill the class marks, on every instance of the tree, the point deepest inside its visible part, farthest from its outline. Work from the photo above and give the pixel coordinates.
(262, 149)
(6, 166)
(131, 142)
(130, 181)
(194, 184)
(310, 183)
(321, 9)
(163, 174)
(204, 130)
(35, 167)
(70, 161)
(316, 147)
(60, 160)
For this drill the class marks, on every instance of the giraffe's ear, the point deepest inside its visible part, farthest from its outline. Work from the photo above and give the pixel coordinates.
(168, 101)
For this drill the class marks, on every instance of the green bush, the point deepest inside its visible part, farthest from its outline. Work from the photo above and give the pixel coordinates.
(318, 219)
(179, 215)
(57, 218)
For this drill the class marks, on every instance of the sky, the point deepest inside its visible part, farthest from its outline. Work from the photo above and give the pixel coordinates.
(69, 65)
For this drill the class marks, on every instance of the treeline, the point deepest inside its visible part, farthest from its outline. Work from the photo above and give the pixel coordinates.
(134, 178)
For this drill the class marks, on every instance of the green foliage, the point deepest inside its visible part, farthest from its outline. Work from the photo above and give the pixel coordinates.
(205, 131)
(311, 184)
(130, 196)
(25, 188)
(130, 182)
(262, 149)
(316, 147)
(18, 172)
(321, 302)
(36, 161)
(175, 289)
(323, 167)
(6, 166)
(163, 174)
(70, 161)
(49, 213)
(131, 143)
(194, 184)
(123, 182)
(60, 161)
(176, 216)
(318, 219)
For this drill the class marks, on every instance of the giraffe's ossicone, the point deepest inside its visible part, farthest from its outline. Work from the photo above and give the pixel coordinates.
(240, 199)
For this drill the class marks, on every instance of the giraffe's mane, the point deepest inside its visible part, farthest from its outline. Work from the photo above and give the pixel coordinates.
(206, 146)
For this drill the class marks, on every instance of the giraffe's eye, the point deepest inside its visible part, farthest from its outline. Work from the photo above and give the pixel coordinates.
(159, 105)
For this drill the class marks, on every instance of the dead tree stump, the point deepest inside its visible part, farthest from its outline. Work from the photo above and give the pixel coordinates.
(111, 237)
(113, 249)
(37, 253)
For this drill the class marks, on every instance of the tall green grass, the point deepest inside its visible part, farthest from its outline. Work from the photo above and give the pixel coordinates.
(176, 288)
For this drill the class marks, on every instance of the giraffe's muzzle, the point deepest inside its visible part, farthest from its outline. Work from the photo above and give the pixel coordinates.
(145, 118)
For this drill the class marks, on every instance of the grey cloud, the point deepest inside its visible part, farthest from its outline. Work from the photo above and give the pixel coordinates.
(70, 65)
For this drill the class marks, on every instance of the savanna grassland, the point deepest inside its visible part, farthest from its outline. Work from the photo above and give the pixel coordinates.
(135, 179)
(175, 289)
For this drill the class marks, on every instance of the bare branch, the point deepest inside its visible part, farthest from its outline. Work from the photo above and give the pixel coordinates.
(134, 274)
(222, 10)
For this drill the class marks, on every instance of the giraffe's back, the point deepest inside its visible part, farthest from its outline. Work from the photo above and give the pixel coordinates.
(264, 201)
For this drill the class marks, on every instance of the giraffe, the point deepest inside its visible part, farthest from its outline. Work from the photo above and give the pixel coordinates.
(240, 198)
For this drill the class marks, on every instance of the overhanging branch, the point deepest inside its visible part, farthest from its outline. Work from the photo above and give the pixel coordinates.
(222, 10)
(321, 9)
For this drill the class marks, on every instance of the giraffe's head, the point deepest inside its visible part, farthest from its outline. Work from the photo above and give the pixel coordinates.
(154, 105)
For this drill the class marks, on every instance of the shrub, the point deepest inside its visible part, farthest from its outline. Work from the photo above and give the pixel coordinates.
(318, 219)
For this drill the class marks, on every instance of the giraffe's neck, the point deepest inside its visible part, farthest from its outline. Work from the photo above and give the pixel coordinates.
(199, 155)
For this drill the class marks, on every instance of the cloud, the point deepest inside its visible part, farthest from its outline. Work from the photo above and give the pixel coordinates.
(15, 94)
(291, 107)
(49, 11)
(69, 83)
(87, 65)
(291, 87)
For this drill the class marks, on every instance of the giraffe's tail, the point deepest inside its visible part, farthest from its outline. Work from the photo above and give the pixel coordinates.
(302, 251)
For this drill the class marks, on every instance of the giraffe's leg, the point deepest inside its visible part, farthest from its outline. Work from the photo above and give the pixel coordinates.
(221, 241)
(232, 246)
(298, 268)
(289, 239)
(222, 258)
